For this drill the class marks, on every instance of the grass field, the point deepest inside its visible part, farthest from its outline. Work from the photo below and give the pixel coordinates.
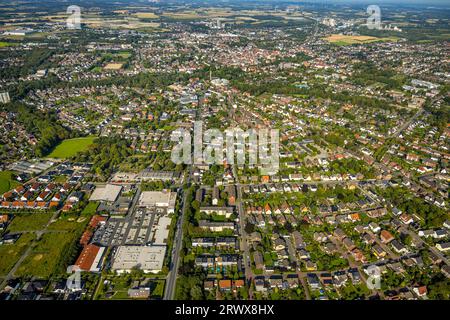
(70, 147)
(344, 40)
(29, 221)
(52, 252)
(146, 15)
(157, 288)
(60, 179)
(69, 223)
(10, 253)
(6, 44)
(124, 54)
(45, 259)
(90, 209)
(6, 181)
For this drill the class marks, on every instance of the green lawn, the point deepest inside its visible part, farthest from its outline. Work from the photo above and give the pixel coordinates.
(157, 288)
(10, 253)
(121, 295)
(70, 147)
(91, 208)
(6, 181)
(60, 179)
(124, 54)
(6, 44)
(68, 223)
(29, 221)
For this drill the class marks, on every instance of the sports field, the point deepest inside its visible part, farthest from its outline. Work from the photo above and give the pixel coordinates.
(70, 147)
(113, 66)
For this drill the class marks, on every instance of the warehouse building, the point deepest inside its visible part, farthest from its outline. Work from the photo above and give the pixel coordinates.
(161, 199)
(108, 193)
(149, 259)
(90, 258)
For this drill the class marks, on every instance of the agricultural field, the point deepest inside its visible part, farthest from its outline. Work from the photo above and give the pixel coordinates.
(122, 23)
(10, 253)
(344, 40)
(70, 147)
(6, 181)
(232, 15)
(29, 221)
(146, 15)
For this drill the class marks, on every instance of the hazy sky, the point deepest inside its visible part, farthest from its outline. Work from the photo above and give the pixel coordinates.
(429, 3)
(426, 2)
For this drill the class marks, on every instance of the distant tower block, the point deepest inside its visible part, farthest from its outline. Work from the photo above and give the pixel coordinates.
(4, 97)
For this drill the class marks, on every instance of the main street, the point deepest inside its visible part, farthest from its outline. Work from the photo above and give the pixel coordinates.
(243, 234)
(406, 124)
(171, 279)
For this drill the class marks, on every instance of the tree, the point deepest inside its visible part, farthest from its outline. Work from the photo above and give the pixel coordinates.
(196, 293)
(249, 228)
(195, 205)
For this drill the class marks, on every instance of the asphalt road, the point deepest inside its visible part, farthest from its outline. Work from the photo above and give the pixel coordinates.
(406, 124)
(243, 234)
(171, 279)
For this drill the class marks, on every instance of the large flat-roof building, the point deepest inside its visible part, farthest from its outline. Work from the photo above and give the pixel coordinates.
(18, 32)
(108, 193)
(147, 258)
(162, 199)
(162, 231)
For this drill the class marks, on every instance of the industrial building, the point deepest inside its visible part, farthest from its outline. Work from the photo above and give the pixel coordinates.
(108, 193)
(147, 258)
(162, 199)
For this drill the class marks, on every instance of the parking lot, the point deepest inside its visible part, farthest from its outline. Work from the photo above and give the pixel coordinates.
(135, 229)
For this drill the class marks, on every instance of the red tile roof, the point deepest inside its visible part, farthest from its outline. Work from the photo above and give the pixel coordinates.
(95, 220)
(224, 284)
(239, 283)
(53, 204)
(86, 237)
(87, 257)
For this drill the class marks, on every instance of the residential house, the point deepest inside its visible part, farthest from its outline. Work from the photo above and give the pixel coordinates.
(386, 236)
